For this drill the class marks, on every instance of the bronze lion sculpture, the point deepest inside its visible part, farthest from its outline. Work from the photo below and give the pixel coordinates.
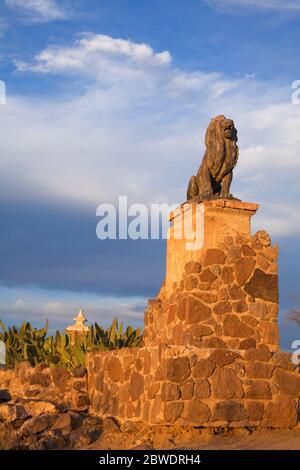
(214, 176)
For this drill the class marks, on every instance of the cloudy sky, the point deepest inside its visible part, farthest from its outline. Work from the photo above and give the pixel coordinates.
(112, 97)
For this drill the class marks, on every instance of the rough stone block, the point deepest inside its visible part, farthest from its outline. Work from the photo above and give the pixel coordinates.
(136, 385)
(197, 311)
(229, 411)
(223, 358)
(255, 410)
(269, 333)
(203, 368)
(234, 327)
(259, 389)
(284, 413)
(202, 389)
(262, 354)
(178, 369)
(259, 370)
(222, 307)
(226, 384)
(115, 370)
(192, 267)
(213, 256)
(243, 268)
(196, 412)
(263, 286)
(288, 383)
(170, 391)
(187, 390)
(172, 411)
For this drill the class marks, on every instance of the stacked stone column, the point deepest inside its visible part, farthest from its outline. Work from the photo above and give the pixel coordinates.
(211, 353)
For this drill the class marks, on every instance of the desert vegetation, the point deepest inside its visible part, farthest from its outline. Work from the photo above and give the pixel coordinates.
(27, 343)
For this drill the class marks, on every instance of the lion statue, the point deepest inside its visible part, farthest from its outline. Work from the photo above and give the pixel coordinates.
(214, 176)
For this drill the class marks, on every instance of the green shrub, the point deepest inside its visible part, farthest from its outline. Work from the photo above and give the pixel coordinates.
(30, 344)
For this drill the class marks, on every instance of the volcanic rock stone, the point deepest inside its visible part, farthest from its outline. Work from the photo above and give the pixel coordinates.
(173, 411)
(63, 423)
(263, 286)
(284, 413)
(229, 411)
(207, 276)
(59, 376)
(222, 357)
(115, 370)
(136, 385)
(261, 354)
(197, 311)
(269, 333)
(192, 267)
(38, 378)
(37, 408)
(259, 389)
(187, 390)
(259, 370)
(226, 384)
(222, 307)
(248, 343)
(213, 256)
(37, 424)
(178, 369)
(243, 269)
(289, 384)
(195, 411)
(202, 389)
(202, 330)
(4, 396)
(227, 275)
(203, 368)
(170, 391)
(234, 327)
(255, 410)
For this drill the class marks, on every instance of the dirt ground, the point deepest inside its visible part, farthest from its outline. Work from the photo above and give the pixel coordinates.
(81, 431)
(259, 440)
(239, 439)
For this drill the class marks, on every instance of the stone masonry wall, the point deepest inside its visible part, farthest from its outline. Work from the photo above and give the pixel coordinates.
(229, 298)
(196, 386)
(210, 358)
(211, 355)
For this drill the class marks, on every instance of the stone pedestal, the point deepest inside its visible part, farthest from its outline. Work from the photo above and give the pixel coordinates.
(211, 349)
(198, 226)
(224, 293)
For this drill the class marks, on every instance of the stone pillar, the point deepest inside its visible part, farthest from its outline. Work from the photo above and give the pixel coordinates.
(211, 221)
(224, 294)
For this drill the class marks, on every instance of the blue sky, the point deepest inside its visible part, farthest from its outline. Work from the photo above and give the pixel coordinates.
(112, 97)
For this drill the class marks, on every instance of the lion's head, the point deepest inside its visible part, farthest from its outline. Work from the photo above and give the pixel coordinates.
(222, 151)
(220, 128)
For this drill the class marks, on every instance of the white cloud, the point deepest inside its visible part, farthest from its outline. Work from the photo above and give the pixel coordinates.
(128, 122)
(60, 307)
(97, 55)
(275, 5)
(278, 219)
(38, 10)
